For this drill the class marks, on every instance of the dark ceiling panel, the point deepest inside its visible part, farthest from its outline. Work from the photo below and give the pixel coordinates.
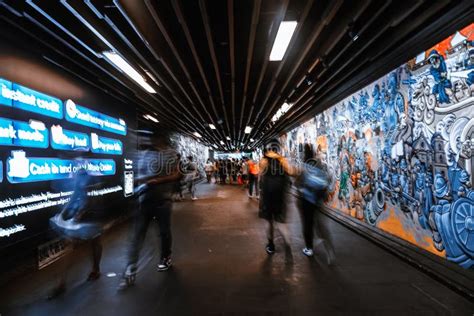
(208, 59)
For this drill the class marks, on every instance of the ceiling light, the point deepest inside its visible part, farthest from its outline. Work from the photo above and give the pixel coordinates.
(252, 140)
(283, 37)
(211, 126)
(222, 143)
(248, 129)
(228, 138)
(126, 68)
(197, 134)
(151, 118)
(281, 111)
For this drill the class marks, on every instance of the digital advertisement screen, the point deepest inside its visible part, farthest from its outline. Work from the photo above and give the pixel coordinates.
(44, 142)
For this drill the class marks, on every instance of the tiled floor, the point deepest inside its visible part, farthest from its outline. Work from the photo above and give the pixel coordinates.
(221, 268)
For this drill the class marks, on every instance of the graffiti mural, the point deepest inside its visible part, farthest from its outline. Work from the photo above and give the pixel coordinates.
(401, 150)
(187, 146)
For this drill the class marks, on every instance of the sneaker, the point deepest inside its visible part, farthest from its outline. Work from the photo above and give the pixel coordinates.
(165, 264)
(194, 198)
(308, 252)
(128, 278)
(270, 248)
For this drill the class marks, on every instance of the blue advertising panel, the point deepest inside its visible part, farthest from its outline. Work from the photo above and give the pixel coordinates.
(5, 87)
(27, 99)
(100, 167)
(63, 139)
(104, 145)
(87, 117)
(23, 169)
(23, 134)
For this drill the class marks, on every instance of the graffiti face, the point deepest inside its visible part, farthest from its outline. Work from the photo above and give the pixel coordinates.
(402, 151)
(435, 62)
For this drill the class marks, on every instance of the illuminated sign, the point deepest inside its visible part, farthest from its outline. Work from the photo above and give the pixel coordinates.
(24, 134)
(87, 117)
(64, 139)
(20, 97)
(22, 169)
(100, 167)
(128, 183)
(104, 145)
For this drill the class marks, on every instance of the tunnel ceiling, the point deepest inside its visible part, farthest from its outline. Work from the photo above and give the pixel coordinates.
(208, 60)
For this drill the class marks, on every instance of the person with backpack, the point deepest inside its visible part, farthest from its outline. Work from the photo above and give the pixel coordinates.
(275, 172)
(312, 183)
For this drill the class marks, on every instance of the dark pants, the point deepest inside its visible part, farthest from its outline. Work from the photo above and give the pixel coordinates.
(148, 211)
(253, 181)
(223, 177)
(311, 218)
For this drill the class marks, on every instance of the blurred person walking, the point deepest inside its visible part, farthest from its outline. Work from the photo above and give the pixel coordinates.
(312, 183)
(245, 171)
(253, 171)
(222, 170)
(274, 172)
(192, 175)
(209, 169)
(158, 172)
(178, 188)
(216, 171)
(76, 223)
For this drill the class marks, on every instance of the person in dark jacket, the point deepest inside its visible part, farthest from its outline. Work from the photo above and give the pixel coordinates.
(158, 172)
(274, 177)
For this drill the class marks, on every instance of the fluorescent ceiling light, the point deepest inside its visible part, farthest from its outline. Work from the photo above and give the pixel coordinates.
(126, 68)
(151, 118)
(197, 134)
(283, 37)
(252, 140)
(222, 143)
(228, 138)
(211, 126)
(248, 129)
(281, 111)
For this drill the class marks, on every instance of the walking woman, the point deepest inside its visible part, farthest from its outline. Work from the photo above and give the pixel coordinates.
(209, 169)
(275, 171)
(312, 184)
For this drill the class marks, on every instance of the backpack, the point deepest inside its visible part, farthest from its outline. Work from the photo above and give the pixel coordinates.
(314, 186)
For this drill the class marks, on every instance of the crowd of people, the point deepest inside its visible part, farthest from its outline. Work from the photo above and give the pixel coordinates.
(161, 176)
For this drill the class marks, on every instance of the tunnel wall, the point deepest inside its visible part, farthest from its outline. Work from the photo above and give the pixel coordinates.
(400, 151)
(35, 179)
(27, 201)
(188, 146)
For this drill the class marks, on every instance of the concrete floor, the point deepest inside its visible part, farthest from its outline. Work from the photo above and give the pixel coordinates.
(221, 268)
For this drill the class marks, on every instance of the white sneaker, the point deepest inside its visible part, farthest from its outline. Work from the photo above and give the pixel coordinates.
(308, 252)
(194, 198)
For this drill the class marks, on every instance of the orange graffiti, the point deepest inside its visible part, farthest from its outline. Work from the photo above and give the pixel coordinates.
(322, 142)
(394, 226)
(444, 46)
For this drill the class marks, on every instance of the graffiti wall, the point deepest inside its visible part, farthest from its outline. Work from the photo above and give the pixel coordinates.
(188, 146)
(401, 150)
